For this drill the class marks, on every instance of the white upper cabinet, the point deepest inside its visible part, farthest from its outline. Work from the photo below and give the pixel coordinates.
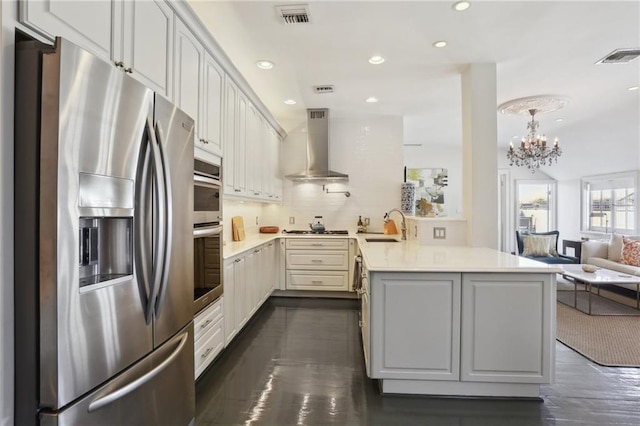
(87, 24)
(135, 35)
(144, 45)
(213, 103)
(240, 155)
(188, 69)
(230, 110)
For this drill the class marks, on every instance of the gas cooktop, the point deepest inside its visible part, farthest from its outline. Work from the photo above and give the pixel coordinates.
(310, 232)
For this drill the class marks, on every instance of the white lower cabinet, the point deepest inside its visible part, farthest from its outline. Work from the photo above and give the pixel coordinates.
(208, 335)
(249, 279)
(318, 263)
(464, 334)
(419, 319)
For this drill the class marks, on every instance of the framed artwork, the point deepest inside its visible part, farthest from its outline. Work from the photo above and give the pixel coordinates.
(430, 184)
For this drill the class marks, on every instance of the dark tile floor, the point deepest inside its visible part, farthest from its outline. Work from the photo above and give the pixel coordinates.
(299, 362)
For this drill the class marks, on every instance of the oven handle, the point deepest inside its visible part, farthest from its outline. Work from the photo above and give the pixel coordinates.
(205, 231)
(208, 182)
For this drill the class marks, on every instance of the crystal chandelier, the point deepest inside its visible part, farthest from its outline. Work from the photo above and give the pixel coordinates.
(533, 151)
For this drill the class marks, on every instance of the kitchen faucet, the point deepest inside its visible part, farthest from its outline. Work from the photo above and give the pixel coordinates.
(404, 223)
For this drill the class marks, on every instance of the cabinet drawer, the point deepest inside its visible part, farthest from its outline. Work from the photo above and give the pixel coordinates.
(208, 346)
(206, 318)
(318, 243)
(318, 280)
(320, 260)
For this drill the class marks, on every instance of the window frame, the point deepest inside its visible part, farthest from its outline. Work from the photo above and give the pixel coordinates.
(553, 200)
(614, 179)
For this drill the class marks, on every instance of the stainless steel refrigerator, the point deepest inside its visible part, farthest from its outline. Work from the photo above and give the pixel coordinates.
(103, 245)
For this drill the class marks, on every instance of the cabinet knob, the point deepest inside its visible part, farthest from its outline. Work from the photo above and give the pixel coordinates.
(236, 190)
(128, 70)
(119, 64)
(238, 260)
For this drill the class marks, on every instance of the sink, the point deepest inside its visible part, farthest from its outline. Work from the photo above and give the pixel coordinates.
(381, 240)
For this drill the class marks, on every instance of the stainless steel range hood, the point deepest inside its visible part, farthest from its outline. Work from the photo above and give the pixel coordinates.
(318, 150)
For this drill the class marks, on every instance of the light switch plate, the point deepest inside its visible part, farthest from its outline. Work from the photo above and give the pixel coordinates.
(292, 220)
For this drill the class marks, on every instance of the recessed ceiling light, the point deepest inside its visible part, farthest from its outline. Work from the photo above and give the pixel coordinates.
(633, 88)
(559, 119)
(459, 6)
(371, 100)
(290, 102)
(264, 64)
(440, 43)
(376, 60)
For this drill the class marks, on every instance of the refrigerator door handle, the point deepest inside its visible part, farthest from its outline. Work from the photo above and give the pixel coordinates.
(141, 251)
(159, 224)
(168, 225)
(121, 392)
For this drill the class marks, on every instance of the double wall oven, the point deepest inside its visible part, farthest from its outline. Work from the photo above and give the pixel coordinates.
(207, 233)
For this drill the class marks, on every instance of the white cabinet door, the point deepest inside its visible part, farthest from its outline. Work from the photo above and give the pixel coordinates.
(230, 109)
(415, 326)
(188, 64)
(88, 24)
(254, 154)
(146, 45)
(240, 285)
(507, 328)
(211, 124)
(253, 279)
(240, 154)
(230, 325)
(277, 183)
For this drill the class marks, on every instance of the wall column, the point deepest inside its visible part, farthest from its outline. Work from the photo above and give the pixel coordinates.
(480, 154)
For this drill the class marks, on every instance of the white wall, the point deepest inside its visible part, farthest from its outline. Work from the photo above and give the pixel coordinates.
(569, 209)
(368, 149)
(7, 16)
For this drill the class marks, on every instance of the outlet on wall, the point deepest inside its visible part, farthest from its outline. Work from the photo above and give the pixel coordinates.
(256, 220)
(367, 221)
(439, 233)
(292, 220)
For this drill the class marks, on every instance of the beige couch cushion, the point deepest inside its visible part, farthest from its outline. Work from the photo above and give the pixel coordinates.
(614, 266)
(615, 248)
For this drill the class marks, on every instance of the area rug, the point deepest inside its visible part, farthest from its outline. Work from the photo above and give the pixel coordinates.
(609, 340)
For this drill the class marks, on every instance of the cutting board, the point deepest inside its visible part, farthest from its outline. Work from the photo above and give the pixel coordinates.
(237, 228)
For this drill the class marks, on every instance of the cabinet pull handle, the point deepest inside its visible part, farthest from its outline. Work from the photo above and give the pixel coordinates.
(206, 353)
(206, 323)
(316, 245)
(256, 193)
(316, 282)
(238, 260)
(128, 70)
(316, 260)
(257, 250)
(119, 64)
(237, 190)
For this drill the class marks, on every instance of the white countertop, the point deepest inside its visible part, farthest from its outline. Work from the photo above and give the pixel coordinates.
(409, 256)
(233, 248)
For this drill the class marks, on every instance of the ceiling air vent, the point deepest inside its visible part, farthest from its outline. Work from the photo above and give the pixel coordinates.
(294, 13)
(327, 88)
(620, 56)
(316, 114)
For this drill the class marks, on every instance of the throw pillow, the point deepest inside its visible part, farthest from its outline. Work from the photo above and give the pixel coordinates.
(553, 243)
(615, 248)
(630, 252)
(536, 246)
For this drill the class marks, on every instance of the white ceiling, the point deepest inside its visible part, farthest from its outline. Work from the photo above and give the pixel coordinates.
(539, 48)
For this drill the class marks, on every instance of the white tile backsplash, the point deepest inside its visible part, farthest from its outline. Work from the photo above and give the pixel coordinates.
(369, 149)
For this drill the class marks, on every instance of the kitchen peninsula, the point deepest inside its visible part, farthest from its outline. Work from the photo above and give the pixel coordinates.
(456, 321)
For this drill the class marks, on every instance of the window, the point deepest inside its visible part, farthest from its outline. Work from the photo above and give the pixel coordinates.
(536, 205)
(609, 203)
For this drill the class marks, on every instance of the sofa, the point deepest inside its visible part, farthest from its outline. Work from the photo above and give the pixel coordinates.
(608, 255)
(547, 252)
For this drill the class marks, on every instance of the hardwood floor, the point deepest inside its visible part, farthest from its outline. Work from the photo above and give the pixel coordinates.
(299, 362)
